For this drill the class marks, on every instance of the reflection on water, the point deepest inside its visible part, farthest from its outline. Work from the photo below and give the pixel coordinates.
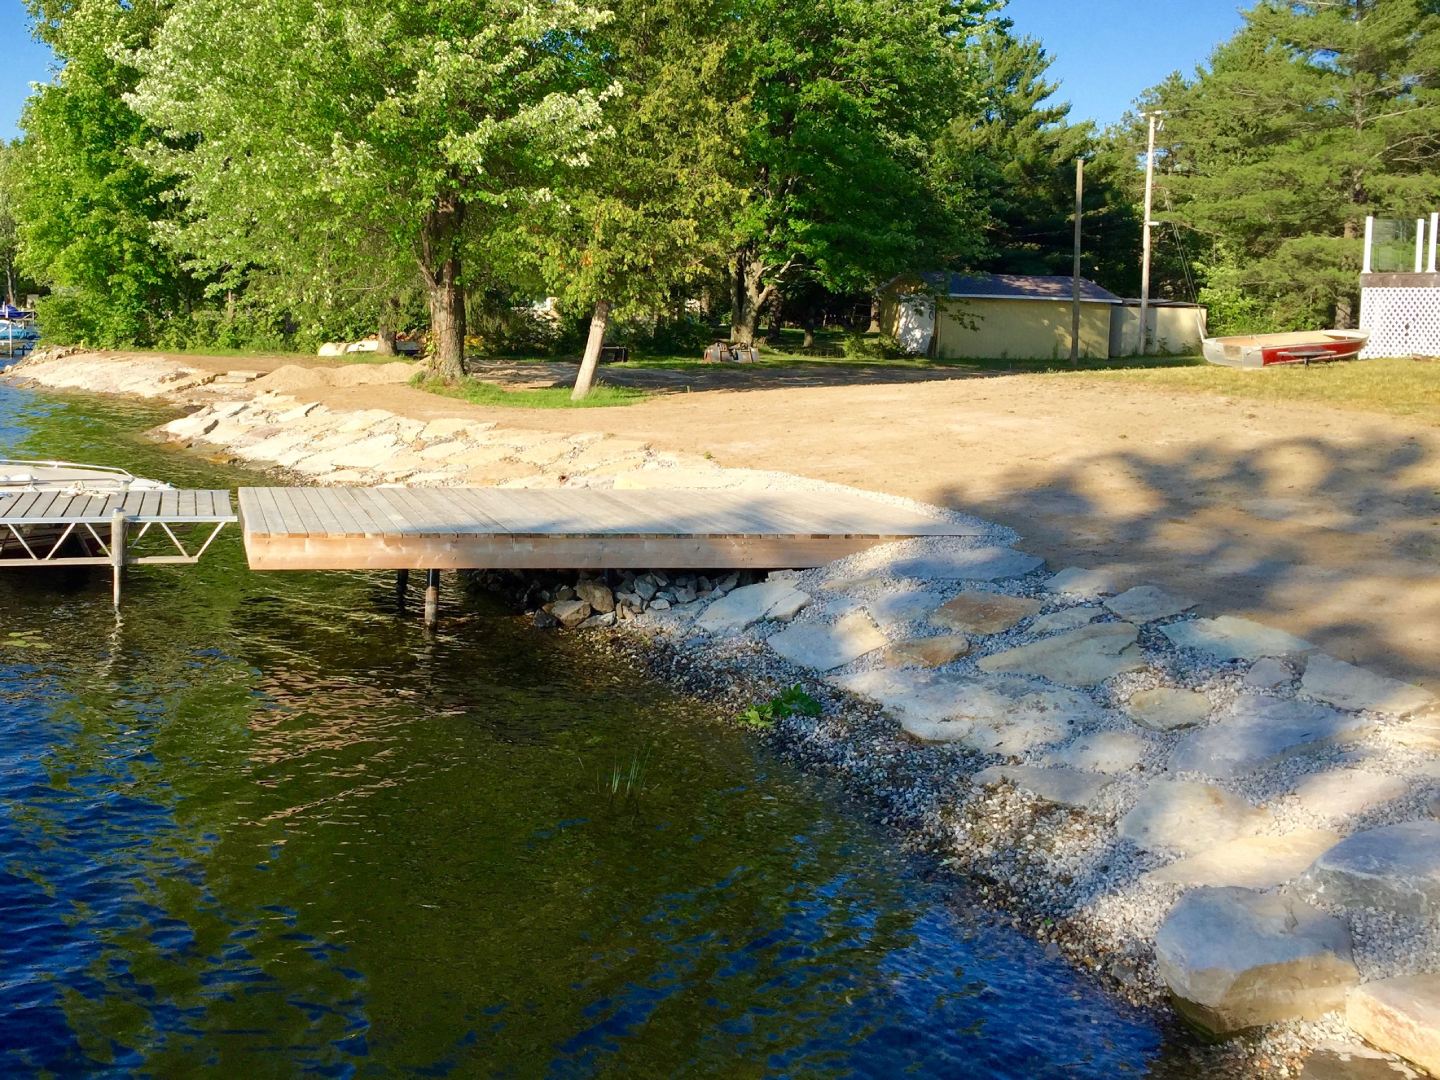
(263, 827)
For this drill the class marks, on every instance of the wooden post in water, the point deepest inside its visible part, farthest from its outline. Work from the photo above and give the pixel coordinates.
(402, 586)
(117, 554)
(432, 597)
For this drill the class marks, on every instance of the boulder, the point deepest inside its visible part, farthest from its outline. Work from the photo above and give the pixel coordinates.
(1146, 603)
(1235, 959)
(1077, 581)
(596, 622)
(1182, 816)
(1254, 862)
(825, 646)
(570, 613)
(1393, 868)
(1338, 794)
(1261, 731)
(1104, 751)
(746, 606)
(1268, 673)
(976, 564)
(1400, 1016)
(1231, 638)
(1083, 657)
(1167, 708)
(597, 594)
(1061, 786)
(974, 612)
(1065, 619)
(927, 651)
(1352, 687)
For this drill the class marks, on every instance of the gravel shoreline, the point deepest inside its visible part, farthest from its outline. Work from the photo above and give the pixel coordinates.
(979, 795)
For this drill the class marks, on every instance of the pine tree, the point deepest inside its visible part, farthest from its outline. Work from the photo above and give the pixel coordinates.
(1314, 115)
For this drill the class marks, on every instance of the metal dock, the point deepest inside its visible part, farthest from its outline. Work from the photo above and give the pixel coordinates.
(114, 529)
(452, 528)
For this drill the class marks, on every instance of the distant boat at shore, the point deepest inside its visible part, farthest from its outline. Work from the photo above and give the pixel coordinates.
(19, 478)
(1272, 350)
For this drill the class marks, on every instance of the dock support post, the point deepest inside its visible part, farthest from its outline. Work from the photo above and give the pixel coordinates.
(432, 597)
(117, 554)
(402, 586)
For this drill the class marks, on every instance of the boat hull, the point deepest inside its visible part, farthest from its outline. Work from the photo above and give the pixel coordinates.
(1277, 350)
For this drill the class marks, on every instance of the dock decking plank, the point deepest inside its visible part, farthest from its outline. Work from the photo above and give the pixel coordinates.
(525, 528)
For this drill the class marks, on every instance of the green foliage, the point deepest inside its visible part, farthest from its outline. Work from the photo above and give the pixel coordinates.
(90, 211)
(843, 101)
(792, 702)
(550, 397)
(1312, 116)
(862, 346)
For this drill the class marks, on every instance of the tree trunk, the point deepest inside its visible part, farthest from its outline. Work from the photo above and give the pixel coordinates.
(874, 327)
(809, 342)
(385, 330)
(440, 268)
(593, 344)
(747, 297)
(1344, 303)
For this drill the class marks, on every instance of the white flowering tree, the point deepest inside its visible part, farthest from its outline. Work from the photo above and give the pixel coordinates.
(374, 139)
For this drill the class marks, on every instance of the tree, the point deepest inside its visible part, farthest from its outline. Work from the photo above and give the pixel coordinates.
(89, 210)
(843, 100)
(645, 219)
(417, 129)
(9, 231)
(1314, 115)
(1011, 167)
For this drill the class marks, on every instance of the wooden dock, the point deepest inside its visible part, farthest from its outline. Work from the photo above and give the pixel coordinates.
(451, 528)
(114, 529)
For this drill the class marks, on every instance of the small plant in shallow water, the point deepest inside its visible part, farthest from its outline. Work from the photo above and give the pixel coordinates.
(792, 702)
(626, 782)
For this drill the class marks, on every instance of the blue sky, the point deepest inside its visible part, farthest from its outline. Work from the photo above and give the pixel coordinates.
(1106, 51)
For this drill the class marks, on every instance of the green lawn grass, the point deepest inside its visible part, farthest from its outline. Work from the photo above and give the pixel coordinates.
(549, 397)
(1401, 387)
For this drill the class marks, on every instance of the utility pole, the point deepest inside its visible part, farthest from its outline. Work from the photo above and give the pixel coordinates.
(1145, 258)
(1075, 276)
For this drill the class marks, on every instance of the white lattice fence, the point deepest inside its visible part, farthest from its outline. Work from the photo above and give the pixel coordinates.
(1401, 321)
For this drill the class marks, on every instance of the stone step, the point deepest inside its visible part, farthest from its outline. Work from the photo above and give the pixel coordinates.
(1084, 657)
(1189, 818)
(1393, 868)
(1235, 959)
(1400, 1016)
(1261, 731)
(1252, 862)
(1060, 786)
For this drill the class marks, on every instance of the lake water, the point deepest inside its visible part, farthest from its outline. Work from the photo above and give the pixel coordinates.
(264, 827)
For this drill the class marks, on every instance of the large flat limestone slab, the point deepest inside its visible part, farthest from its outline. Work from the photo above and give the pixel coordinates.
(1352, 687)
(987, 714)
(1401, 1016)
(975, 612)
(1232, 638)
(1235, 959)
(750, 604)
(1189, 818)
(1060, 786)
(1103, 751)
(1393, 868)
(826, 646)
(1342, 793)
(1168, 708)
(1146, 603)
(977, 564)
(1252, 862)
(1261, 731)
(1084, 657)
